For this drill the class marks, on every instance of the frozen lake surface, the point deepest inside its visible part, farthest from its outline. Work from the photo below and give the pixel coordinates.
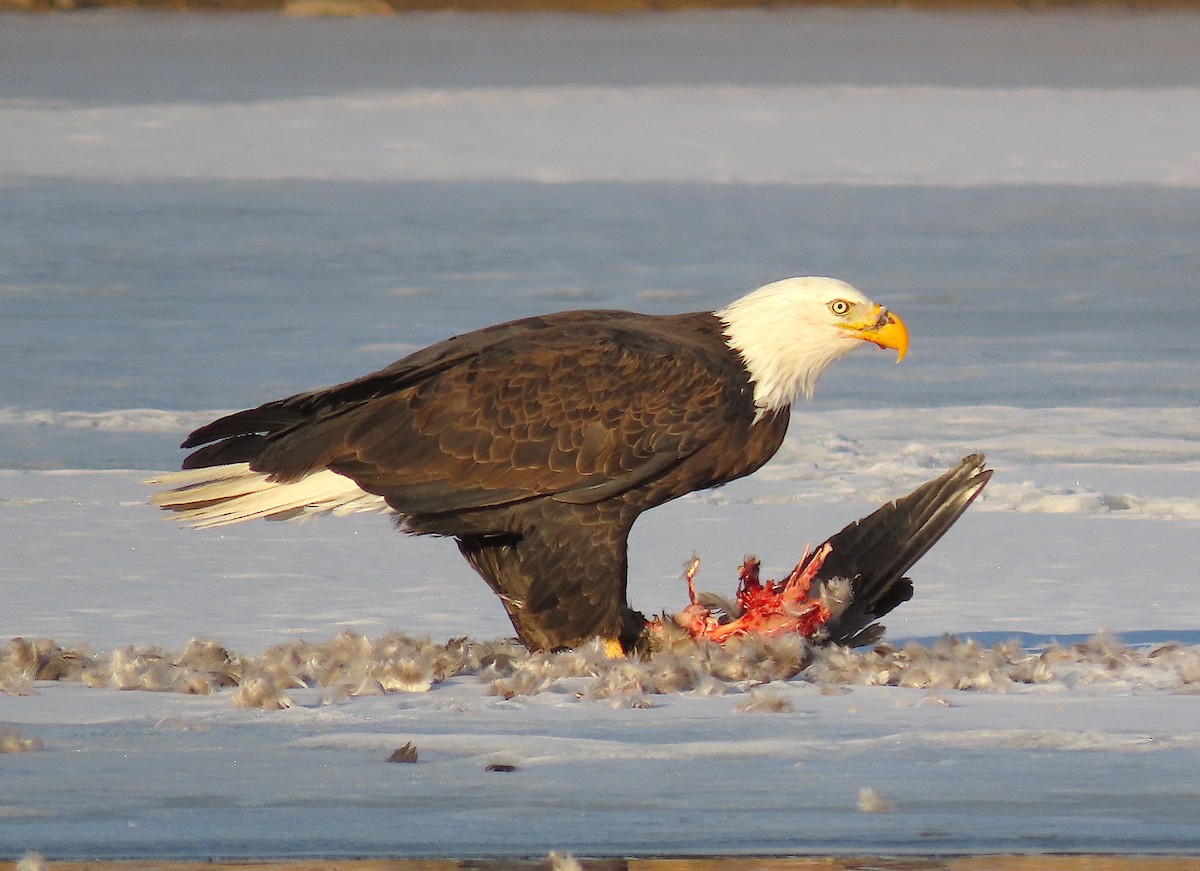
(202, 213)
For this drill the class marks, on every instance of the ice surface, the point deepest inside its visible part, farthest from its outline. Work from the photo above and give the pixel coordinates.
(191, 297)
(837, 134)
(202, 213)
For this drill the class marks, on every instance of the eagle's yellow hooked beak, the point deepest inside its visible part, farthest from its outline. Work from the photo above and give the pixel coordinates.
(883, 329)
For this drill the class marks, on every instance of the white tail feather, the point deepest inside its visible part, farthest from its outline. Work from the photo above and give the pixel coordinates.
(220, 495)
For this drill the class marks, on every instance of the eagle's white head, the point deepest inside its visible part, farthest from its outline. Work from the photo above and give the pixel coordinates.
(788, 331)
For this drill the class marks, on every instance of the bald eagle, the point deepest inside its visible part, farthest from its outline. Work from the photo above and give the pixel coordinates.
(537, 443)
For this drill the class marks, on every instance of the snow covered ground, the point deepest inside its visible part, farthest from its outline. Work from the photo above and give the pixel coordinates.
(202, 213)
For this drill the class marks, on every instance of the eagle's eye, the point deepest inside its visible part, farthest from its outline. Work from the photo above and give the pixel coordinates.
(840, 307)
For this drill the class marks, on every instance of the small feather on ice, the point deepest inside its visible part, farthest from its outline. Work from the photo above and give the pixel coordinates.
(870, 802)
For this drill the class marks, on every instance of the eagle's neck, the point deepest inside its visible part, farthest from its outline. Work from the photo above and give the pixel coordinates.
(784, 352)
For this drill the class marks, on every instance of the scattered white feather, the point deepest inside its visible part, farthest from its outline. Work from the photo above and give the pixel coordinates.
(761, 701)
(12, 741)
(32, 861)
(870, 802)
(563, 862)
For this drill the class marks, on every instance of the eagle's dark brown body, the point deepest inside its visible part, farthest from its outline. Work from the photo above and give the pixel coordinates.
(536, 444)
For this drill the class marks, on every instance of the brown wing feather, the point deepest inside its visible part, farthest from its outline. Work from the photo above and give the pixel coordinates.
(581, 405)
(875, 552)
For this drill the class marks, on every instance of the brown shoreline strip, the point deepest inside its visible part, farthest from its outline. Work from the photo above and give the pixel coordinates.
(1054, 862)
(359, 8)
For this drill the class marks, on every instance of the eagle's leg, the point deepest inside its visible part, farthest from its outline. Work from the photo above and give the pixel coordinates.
(496, 559)
(562, 581)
